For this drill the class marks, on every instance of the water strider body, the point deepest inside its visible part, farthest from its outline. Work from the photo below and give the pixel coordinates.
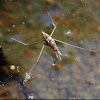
(49, 41)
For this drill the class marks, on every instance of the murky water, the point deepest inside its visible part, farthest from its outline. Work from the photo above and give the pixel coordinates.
(74, 77)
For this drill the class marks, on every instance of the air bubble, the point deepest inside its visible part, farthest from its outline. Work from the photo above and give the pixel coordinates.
(30, 97)
(68, 32)
(13, 25)
(23, 22)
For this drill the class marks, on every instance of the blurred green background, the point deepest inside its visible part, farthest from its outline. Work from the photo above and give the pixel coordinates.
(74, 77)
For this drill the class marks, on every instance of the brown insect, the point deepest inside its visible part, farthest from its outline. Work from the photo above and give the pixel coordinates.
(49, 41)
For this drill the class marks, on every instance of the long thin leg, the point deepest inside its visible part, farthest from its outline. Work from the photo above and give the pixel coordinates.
(64, 55)
(28, 75)
(26, 43)
(19, 41)
(56, 58)
(35, 42)
(55, 62)
(53, 25)
(37, 59)
(73, 45)
(58, 55)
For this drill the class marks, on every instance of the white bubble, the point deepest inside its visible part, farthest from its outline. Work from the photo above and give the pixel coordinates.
(68, 32)
(12, 67)
(8, 30)
(53, 64)
(30, 97)
(23, 22)
(53, 79)
(18, 68)
(13, 25)
(81, 41)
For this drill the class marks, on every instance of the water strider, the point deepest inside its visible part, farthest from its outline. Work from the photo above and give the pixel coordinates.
(49, 41)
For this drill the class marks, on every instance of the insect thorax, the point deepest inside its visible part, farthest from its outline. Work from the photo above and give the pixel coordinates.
(50, 41)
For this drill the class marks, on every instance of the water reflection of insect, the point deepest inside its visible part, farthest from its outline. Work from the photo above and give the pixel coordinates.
(49, 41)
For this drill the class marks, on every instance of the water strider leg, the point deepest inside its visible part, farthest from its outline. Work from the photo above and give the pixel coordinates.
(37, 59)
(28, 75)
(56, 58)
(53, 25)
(72, 45)
(19, 41)
(58, 55)
(35, 42)
(65, 55)
(26, 43)
(55, 62)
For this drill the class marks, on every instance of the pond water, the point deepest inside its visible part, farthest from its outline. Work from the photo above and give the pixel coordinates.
(75, 76)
